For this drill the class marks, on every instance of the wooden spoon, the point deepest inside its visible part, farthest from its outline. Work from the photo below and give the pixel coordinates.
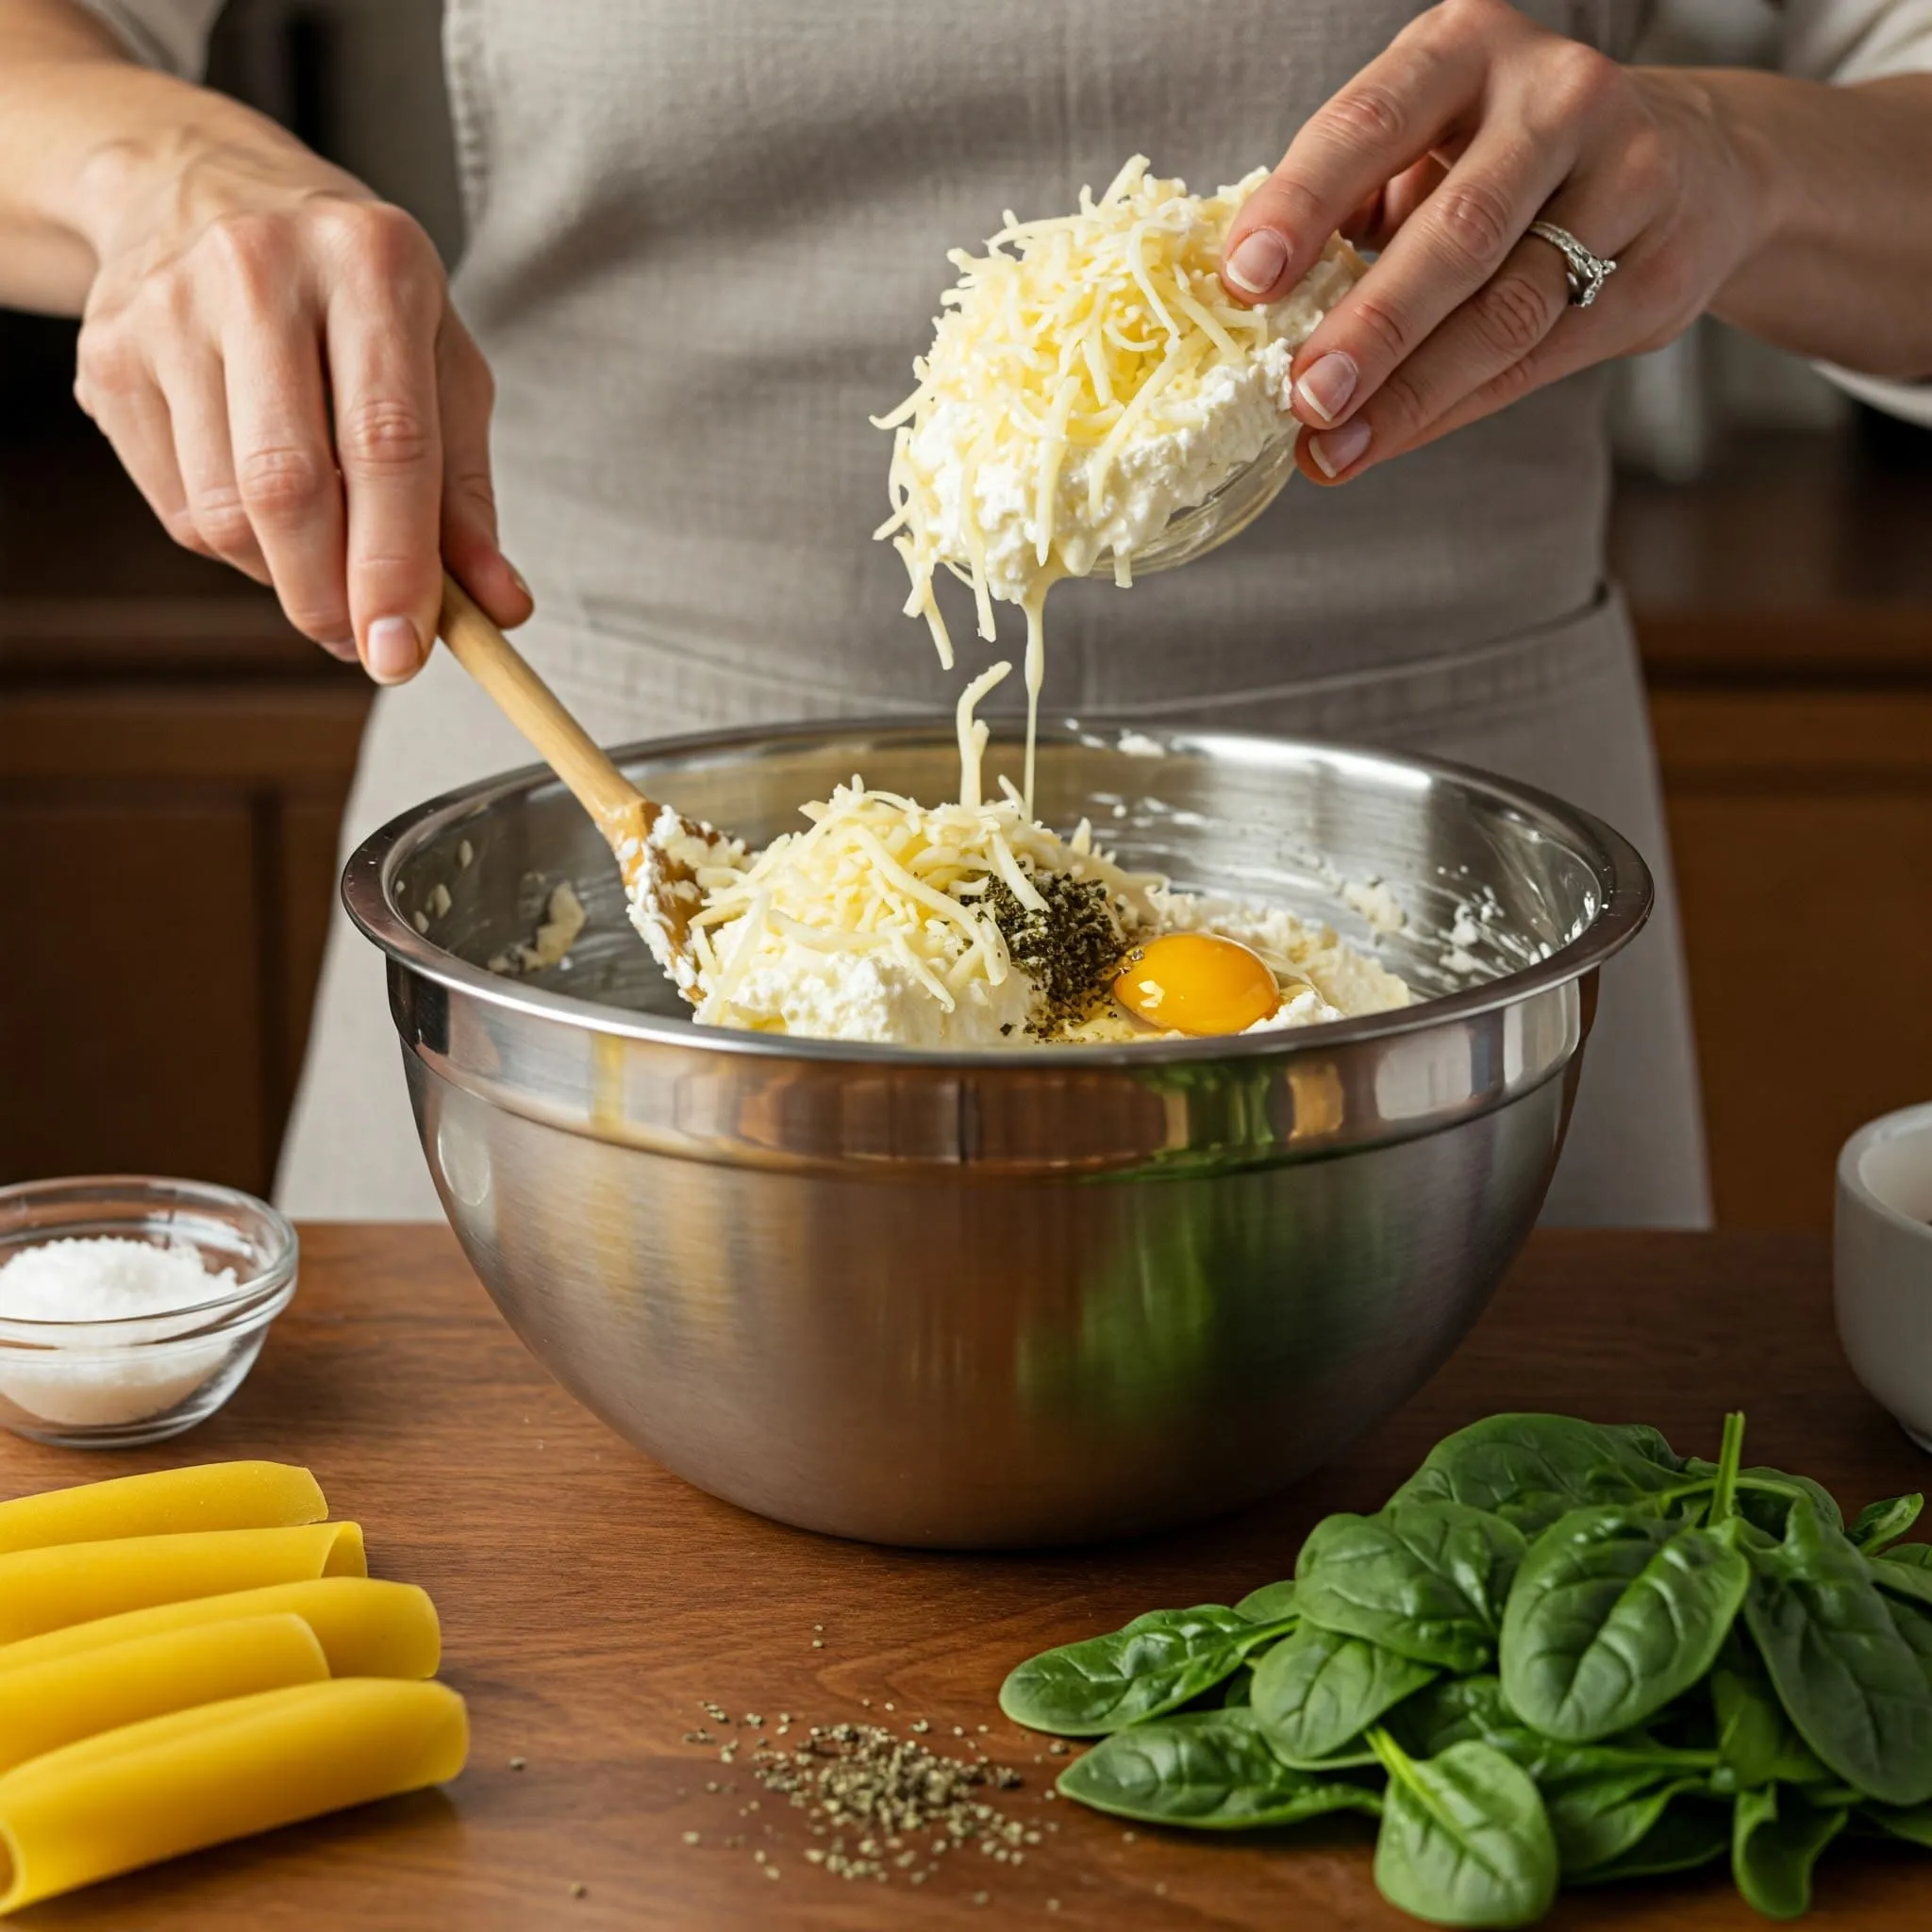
(658, 850)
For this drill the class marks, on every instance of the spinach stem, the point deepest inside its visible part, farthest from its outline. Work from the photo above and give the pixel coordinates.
(1700, 1485)
(1724, 1501)
(1394, 1759)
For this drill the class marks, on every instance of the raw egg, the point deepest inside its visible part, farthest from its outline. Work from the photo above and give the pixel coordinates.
(1197, 982)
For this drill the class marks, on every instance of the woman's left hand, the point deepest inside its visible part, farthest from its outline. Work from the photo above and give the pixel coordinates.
(1440, 154)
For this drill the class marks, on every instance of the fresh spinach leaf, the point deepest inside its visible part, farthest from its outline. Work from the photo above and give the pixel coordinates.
(1633, 1754)
(1354, 1756)
(1822, 1499)
(1532, 1469)
(1271, 1604)
(1755, 1738)
(1848, 1677)
(1154, 1664)
(1427, 1580)
(1465, 1840)
(1448, 1711)
(1214, 1769)
(1602, 1799)
(1915, 1626)
(1911, 1581)
(1614, 1613)
(1777, 1836)
(1879, 1524)
(1913, 1824)
(1635, 1723)
(1688, 1835)
(1599, 1816)
(1765, 1495)
(1316, 1689)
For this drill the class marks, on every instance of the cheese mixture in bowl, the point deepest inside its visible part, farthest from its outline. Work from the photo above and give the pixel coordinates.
(971, 925)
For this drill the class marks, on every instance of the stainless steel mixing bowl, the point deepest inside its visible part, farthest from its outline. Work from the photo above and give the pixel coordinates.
(1018, 1298)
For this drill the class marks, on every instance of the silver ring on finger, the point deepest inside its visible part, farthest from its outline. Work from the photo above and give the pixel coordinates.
(1583, 268)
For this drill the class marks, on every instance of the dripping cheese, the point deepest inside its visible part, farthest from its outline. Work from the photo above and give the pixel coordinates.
(1089, 378)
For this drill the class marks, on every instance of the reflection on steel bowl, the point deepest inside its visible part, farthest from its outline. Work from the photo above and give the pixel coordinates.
(1013, 1298)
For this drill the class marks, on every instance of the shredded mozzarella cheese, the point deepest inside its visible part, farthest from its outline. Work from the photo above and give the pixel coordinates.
(1088, 377)
(878, 874)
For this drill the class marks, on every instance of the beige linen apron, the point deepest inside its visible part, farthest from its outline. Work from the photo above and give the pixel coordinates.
(706, 238)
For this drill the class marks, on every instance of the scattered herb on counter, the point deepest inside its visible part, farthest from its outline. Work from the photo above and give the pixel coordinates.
(885, 1806)
(1561, 1654)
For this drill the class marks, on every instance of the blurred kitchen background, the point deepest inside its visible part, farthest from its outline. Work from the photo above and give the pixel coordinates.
(174, 759)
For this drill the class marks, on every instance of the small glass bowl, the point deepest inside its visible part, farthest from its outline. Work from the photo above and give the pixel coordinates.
(118, 1383)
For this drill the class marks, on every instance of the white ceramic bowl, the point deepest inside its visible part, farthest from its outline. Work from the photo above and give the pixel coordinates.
(1882, 1263)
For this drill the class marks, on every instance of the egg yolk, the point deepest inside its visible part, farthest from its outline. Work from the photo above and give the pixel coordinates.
(1197, 982)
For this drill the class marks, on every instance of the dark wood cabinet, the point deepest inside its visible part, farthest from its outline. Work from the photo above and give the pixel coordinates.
(1785, 609)
(173, 762)
(167, 858)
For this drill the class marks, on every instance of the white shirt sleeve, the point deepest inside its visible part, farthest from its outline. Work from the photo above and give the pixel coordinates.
(1863, 40)
(1856, 40)
(168, 34)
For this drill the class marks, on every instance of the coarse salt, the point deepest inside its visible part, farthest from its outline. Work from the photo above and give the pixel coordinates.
(85, 1377)
(104, 1278)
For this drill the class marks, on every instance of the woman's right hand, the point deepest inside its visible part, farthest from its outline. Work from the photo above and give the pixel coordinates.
(271, 351)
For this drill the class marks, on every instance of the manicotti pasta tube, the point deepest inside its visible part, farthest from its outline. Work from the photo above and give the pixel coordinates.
(366, 1628)
(216, 1495)
(177, 1784)
(72, 1583)
(47, 1705)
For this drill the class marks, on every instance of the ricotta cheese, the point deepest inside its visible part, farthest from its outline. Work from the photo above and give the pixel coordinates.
(563, 919)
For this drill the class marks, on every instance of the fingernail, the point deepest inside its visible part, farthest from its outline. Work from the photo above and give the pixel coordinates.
(1256, 266)
(516, 577)
(1337, 448)
(343, 648)
(394, 649)
(1327, 385)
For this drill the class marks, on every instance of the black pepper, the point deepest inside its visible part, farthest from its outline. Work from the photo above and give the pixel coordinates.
(1071, 951)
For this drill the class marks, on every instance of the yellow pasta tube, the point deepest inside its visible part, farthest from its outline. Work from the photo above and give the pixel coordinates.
(366, 1628)
(49, 1705)
(216, 1495)
(43, 1590)
(177, 1784)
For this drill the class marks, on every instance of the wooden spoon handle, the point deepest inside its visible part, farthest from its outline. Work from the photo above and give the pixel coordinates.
(534, 708)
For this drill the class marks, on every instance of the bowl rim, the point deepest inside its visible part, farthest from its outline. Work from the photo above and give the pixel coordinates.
(1853, 1186)
(272, 1282)
(1624, 880)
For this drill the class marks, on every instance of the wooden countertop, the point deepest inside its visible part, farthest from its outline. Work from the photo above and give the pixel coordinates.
(591, 1602)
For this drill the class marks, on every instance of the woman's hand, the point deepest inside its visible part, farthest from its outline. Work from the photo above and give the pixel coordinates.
(272, 352)
(1440, 154)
